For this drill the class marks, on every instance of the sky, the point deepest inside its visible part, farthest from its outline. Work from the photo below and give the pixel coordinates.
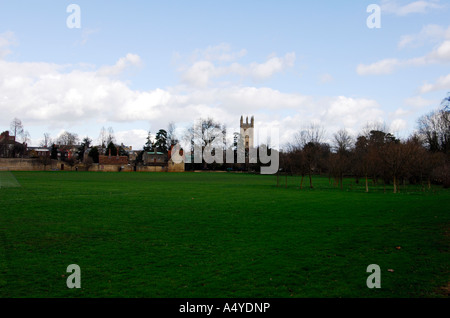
(135, 65)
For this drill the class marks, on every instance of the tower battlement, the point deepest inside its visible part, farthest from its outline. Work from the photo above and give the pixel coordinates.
(247, 131)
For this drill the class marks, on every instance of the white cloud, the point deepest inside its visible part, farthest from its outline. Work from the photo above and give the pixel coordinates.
(270, 67)
(350, 112)
(7, 39)
(326, 78)
(121, 65)
(134, 137)
(402, 8)
(418, 102)
(71, 97)
(398, 125)
(221, 52)
(202, 72)
(439, 55)
(386, 66)
(442, 83)
(431, 33)
(86, 34)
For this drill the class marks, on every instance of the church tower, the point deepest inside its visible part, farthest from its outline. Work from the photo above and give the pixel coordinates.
(247, 130)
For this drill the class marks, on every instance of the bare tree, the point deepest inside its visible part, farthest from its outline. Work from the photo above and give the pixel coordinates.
(362, 159)
(343, 142)
(110, 138)
(102, 138)
(314, 134)
(67, 139)
(205, 132)
(373, 126)
(435, 130)
(396, 157)
(445, 104)
(46, 141)
(25, 137)
(171, 134)
(17, 127)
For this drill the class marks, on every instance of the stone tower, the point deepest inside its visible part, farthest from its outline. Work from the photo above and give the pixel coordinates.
(247, 130)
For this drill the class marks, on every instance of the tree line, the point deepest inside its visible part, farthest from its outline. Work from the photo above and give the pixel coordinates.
(374, 155)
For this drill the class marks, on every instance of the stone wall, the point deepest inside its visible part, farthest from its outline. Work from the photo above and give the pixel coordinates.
(124, 168)
(18, 164)
(22, 164)
(175, 167)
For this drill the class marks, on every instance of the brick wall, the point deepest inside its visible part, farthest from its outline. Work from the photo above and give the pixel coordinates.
(113, 160)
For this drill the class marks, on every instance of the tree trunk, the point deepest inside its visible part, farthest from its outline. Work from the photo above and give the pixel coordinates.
(421, 182)
(395, 184)
(367, 184)
(310, 181)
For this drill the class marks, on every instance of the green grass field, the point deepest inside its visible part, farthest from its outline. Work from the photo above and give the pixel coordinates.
(202, 235)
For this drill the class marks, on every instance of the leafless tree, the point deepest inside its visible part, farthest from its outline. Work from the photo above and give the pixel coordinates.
(445, 104)
(171, 134)
(102, 137)
(110, 138)
(67, 139)
(25, 137)
(435, 130)
(205, 132)
(342, 141)
(373, 126)
(313, 134)
(46, 141)
(16, 127)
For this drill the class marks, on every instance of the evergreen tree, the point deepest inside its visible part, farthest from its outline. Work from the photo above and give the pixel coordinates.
(113, 149)
(148, 147)
(93, 153)
(161, 141)
(54, 152)
(85, 144)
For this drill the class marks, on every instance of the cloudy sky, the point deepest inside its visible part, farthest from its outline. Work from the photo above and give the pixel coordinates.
(137, 65)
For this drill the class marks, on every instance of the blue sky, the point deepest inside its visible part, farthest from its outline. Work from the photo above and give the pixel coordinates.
(137, 65)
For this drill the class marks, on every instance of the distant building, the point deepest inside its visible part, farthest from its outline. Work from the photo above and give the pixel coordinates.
(113, 160)
(154, 158)
(247, 132)
(9, 147)
(175, 166)
(36, 152)
(66, 152)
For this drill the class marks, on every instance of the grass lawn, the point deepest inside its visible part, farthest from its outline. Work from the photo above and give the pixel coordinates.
(220, 235)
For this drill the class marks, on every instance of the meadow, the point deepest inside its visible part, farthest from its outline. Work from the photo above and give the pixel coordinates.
(221, 235)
